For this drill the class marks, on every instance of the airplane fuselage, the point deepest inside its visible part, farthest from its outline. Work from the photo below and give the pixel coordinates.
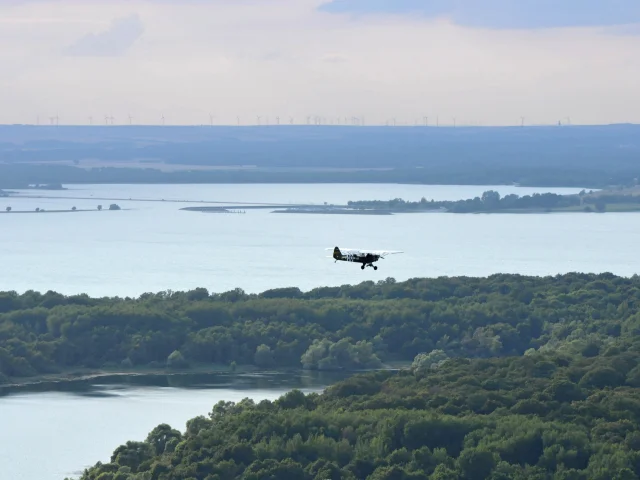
(366, 259)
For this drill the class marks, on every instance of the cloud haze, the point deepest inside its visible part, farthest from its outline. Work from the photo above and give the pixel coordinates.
(377, 58)
(121, 35)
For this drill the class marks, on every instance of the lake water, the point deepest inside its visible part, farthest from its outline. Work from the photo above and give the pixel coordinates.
(53, 435)
(155, 246)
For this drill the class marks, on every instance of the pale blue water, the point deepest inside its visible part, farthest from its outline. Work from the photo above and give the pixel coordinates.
(156, 246)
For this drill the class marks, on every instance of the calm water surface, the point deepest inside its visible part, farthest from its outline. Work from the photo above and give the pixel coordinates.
(155, 246)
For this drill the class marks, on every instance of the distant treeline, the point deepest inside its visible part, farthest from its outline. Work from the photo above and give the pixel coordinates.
(19, 176)
(568, 410)
(349, 327)
(491, 201)
(591, 157)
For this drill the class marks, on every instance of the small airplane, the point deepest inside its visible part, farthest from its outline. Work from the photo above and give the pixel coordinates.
(365, 257)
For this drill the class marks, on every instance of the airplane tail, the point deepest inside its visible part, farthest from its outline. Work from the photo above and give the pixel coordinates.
(337, 254)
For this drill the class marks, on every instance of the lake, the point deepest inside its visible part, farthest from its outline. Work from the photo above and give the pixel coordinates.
(53, 435)
(155, 246)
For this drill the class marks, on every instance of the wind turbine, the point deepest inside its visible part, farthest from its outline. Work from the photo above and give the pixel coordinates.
(162, 118)
(454, 122)
(522, 121)
(277, 120)
(130, 120)
(106, 119)
(291, 120)
(258, 117)
(90, 120)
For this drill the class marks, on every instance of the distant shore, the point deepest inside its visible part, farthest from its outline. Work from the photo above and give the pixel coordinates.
(15, 212)
(86, 374)
(46, 382)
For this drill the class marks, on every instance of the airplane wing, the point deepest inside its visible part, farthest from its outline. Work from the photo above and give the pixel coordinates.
(383, 253)
(362, 251)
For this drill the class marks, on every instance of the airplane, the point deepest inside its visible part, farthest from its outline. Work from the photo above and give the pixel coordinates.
(365, 257)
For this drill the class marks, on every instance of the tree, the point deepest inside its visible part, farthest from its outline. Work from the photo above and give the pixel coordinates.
(263, 356)
(99, 207)
(8, 209)
(160, 436)
(423, 362)
(132, 454)
(73, 209)
(176, 360)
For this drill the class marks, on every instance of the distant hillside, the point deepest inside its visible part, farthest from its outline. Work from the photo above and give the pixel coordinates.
(585, 156)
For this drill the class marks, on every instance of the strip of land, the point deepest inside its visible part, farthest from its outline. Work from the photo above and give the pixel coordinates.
(627, 200)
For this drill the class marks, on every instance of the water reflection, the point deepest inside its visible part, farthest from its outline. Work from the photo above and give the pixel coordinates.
(111, 385)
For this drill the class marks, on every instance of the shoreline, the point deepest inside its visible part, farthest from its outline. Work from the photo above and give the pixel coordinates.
(88, 375)
(18, 212)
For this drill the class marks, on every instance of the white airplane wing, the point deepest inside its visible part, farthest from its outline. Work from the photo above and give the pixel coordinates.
(383, 253)
(363, 251)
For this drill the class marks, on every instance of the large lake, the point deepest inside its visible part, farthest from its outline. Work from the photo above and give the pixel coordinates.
(155, 246)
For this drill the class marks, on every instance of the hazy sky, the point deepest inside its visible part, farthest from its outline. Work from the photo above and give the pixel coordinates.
(488, 61)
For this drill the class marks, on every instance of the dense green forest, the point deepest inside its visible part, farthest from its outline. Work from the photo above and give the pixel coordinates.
(568, 411)
(508, 377)
(349, 327)
(491, 201)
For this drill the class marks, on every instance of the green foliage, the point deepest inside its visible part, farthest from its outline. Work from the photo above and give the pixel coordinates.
(490, 201)
(546, 415)
(348, 327)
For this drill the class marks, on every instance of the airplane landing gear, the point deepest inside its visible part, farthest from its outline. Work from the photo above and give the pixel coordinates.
(369, 265)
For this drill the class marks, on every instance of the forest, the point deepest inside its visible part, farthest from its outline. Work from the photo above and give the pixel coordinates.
(531, 378)
(349, 327)
(505, 377)
(491, 201)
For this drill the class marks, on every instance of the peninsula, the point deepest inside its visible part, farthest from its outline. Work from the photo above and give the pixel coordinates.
(620, 200)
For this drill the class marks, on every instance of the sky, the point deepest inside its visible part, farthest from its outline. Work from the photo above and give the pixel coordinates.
(489, 62)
